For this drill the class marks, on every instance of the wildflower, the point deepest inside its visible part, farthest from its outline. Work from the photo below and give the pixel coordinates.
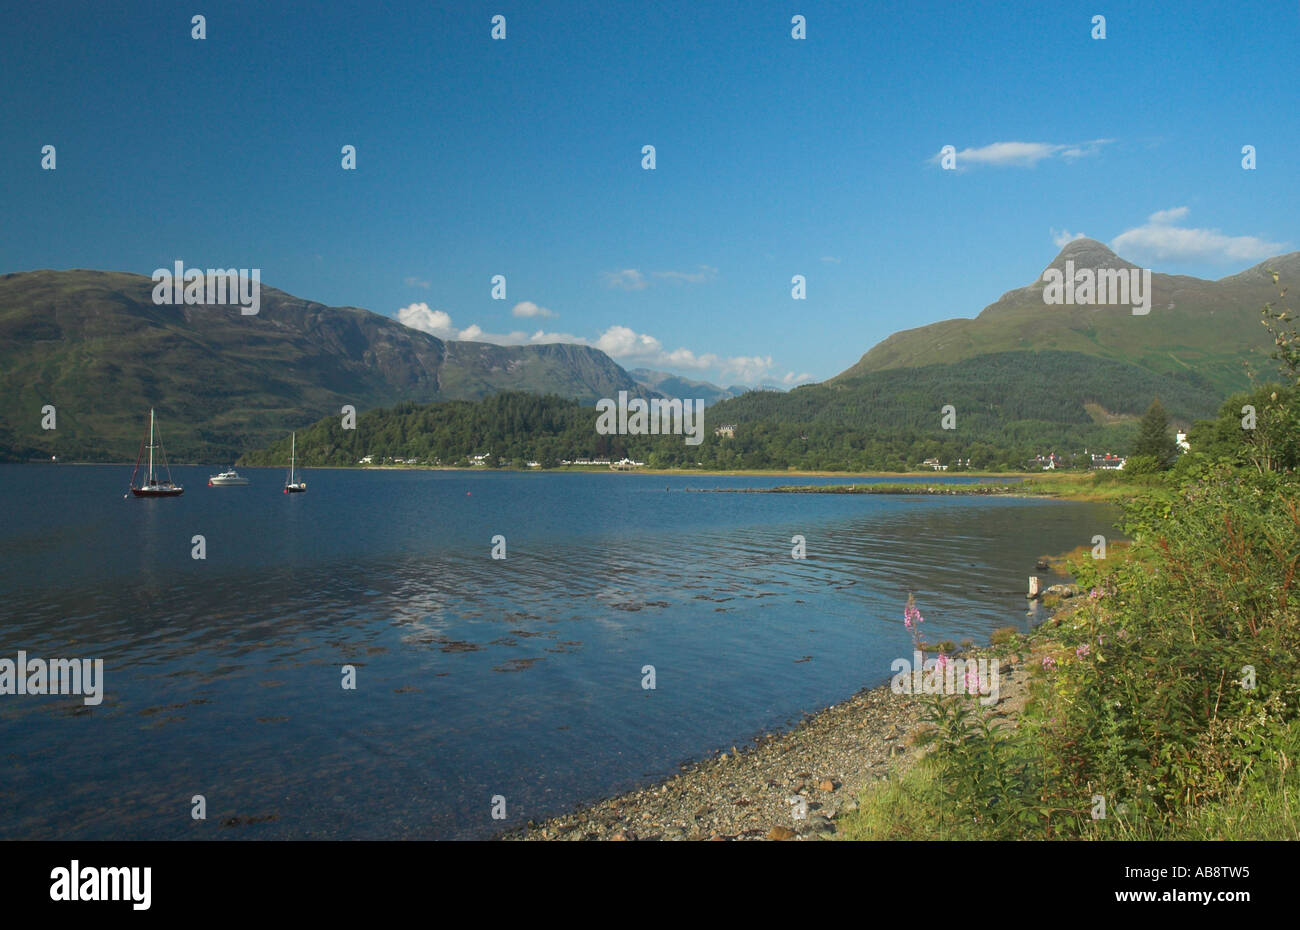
(942, 662)
(1049, 662)
(1095, 594)
(1083, 650)
(911, 616)
(972, 681)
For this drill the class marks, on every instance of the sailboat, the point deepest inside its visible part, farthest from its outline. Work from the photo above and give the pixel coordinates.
(151, 486)
(291, 486)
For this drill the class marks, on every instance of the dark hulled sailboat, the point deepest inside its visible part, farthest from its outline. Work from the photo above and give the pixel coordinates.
(290, 485)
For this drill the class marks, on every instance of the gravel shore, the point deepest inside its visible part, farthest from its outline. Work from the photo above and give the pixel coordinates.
(752, 794)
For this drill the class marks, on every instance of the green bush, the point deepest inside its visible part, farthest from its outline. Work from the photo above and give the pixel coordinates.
(1171, 692)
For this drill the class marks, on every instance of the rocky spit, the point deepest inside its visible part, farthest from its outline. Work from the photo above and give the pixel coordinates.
(753, 792)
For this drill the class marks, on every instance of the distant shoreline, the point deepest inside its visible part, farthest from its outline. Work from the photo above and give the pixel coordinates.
(1010, 489)
(1061, 485)
(602, 470)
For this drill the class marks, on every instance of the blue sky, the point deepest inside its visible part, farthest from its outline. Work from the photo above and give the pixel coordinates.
(775, 157)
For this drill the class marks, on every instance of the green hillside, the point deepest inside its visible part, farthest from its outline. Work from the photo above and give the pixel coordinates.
(1018, 403)
(1210, 328)
(93, 344)
(1010, 407)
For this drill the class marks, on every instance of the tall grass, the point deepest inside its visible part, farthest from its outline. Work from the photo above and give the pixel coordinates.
(1166, 705)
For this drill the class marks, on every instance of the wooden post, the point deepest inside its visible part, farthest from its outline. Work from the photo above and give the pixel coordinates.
(1033, 586)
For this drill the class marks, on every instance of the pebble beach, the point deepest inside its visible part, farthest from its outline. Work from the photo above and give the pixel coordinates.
(756, 792)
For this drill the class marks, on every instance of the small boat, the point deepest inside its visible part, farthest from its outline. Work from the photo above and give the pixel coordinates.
(291, 486)
(151, 486)
(227, 479)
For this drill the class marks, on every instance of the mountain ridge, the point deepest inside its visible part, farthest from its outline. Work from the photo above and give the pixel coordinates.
(95, 346)
(1179, 333)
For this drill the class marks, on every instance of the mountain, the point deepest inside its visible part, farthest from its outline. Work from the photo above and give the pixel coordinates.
(1033, 376)
(94, 345)
(1208, 327)
(671, 385)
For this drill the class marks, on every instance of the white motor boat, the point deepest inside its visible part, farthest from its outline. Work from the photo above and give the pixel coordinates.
(227, 479)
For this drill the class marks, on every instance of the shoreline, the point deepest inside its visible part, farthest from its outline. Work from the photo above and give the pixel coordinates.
(595, 470)
(955, 490)
(745, 793)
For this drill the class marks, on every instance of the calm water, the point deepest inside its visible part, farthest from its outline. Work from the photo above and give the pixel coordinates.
(475, 677)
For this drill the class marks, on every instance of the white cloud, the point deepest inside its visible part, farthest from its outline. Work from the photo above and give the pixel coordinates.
(1065, 236)
(702, 274)
(541, 337)
(747, 369)
(1082, 150)
(413, 281)
(790, 378)
(1159, 240)
(628, 346)
(621, 343)
(1023, 154)
(435, 322)
(529, 309)
(1168, 216)
(629, 279)
(438, 323)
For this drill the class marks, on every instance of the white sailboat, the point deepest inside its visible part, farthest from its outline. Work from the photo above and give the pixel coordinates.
(151, 486)
(291, 486)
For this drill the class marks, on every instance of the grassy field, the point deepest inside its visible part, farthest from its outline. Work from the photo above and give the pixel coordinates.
(1093, 486)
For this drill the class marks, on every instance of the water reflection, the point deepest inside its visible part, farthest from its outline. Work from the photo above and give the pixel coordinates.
(475, 676)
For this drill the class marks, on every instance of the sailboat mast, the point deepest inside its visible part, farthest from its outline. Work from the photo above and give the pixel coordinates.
(151, 445)
(293, 451)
